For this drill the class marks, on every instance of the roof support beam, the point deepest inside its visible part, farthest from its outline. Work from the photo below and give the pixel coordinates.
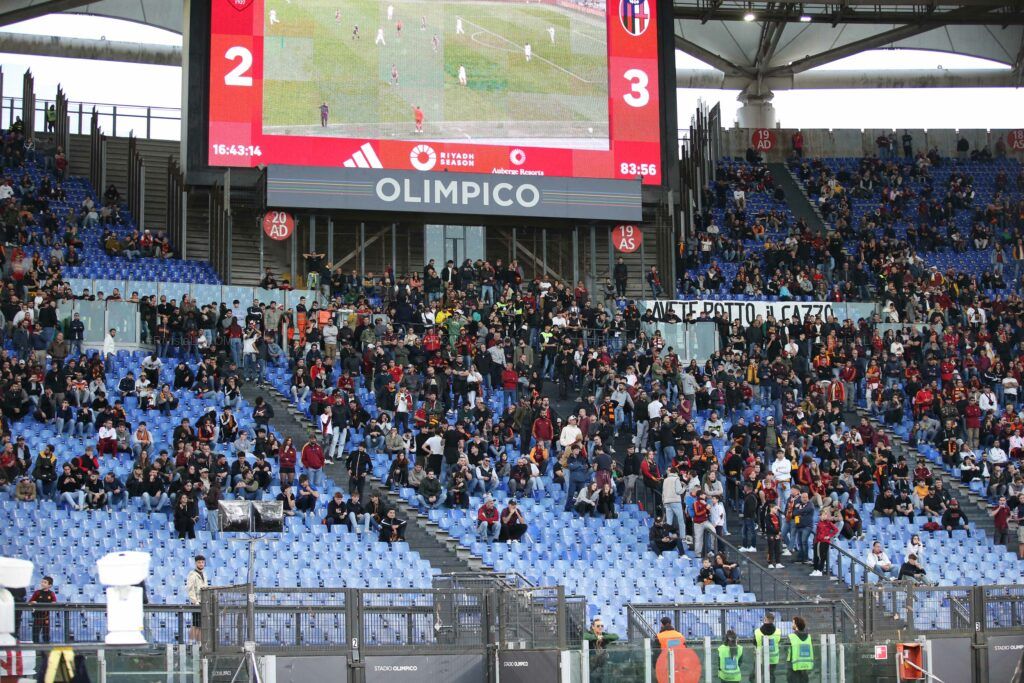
(81, 48)
(851, 80)
(12, 11)
(975, 14)
(869, 43)
(707, 56)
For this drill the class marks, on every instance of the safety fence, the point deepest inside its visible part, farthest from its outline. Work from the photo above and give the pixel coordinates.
(915, 608)
(713, 620)
(102, 663)
(353, 622)
(87, 623)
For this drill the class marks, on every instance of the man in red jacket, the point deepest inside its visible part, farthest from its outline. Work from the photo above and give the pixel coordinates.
(313, 462)
(487, 527)
(509, 385)
(543, 431)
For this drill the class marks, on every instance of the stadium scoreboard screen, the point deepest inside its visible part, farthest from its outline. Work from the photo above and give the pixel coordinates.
(562, 88)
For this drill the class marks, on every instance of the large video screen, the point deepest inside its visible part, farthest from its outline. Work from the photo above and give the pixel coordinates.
(514, 87)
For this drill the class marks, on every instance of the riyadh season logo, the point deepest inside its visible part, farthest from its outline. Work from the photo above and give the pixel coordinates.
(423, 157)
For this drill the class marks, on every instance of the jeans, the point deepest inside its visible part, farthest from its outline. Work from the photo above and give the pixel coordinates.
(674, 512)
(574, 489)
(336, 450)
(699, 529)
(235, 344)
(422, 503)
(75, 499)
(154, 503)
(45, 489)
(481, 487)
(316, 477)
(488, 531)
(117, 501)
(801, 535)
(749, 539)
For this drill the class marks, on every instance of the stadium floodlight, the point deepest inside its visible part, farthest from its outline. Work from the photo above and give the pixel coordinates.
(14, 573)
(805, 18)
(122, 573)
(749, 16)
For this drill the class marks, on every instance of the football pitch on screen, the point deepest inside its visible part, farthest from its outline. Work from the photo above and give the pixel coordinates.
(464, 64)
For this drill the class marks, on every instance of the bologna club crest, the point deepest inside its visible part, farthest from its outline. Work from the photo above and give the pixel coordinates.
(240, 5)
(635, 16)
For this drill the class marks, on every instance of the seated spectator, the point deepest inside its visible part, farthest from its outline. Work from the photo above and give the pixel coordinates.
(954, 518)
(392, 529)
(878, 560)
(912, 570)
(488, 524)
(337, 511)
(513, 523)
(307, 496)
(725, 572)
(664, 536)
(429, 494)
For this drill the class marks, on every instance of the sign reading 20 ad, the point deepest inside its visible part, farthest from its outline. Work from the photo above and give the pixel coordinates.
(560, 88)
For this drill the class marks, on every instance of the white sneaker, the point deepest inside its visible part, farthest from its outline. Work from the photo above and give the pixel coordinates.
(779, 566)
(786, 553)
(744, 550)
(815, 573)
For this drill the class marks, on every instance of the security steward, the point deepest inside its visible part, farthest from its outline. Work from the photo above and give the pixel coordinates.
(730, 658)
(801, 652)
(767, 633)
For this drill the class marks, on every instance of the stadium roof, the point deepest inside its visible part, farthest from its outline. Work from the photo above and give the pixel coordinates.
(766, 39)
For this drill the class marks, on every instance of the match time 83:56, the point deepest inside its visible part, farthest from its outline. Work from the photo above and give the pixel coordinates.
(237, 150)
(626, 168)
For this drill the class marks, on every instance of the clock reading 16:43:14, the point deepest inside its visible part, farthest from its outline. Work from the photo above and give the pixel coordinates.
(237, 150)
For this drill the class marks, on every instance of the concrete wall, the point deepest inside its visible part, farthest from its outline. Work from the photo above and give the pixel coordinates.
(845, 142)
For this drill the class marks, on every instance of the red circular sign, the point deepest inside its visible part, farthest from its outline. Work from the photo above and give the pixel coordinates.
(278, 225)
(627, 238)
(763, 140)
(1015, 140)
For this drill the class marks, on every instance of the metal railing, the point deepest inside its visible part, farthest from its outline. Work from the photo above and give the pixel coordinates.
(87, 622)
(715, 619)
(755, 577)
(900, 608)
(156, 123)
(380, 620)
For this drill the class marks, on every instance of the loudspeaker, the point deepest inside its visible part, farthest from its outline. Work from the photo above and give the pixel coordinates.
(234, 516)
(268, 516)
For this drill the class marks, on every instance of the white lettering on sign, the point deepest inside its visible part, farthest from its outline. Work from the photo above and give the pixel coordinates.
(457, 192)
(746, 312)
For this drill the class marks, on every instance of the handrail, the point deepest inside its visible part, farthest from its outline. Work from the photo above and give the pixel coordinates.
(764, 577)
(843, 552)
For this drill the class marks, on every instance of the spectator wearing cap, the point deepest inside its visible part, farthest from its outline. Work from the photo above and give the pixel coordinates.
(488, 521)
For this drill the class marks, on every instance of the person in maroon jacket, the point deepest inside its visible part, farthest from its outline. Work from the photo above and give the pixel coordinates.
(509, 386)
(286, 462)
(543, 431)
(823, 535)
(487, 527)
(313, 461)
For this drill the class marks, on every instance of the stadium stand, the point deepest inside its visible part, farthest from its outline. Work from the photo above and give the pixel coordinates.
(454, 366)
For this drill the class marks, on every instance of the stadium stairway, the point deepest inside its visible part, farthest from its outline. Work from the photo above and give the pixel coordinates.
(797, 199)
(423, 536)
(975, 506)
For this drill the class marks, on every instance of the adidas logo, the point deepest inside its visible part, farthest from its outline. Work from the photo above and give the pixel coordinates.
(364, 158)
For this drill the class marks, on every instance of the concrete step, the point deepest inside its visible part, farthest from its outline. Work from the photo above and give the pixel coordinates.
(423, 536)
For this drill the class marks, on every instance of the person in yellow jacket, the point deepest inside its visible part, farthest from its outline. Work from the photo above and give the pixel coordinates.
(801, 653)
(768, 634)
(730, 658)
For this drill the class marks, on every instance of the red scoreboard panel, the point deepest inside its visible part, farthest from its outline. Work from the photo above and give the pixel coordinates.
(275, 99)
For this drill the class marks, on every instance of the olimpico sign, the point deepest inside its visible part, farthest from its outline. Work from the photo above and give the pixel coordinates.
(367, 189)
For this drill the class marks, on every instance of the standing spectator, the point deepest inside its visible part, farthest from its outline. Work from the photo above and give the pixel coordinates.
(195, 582)
(823, 535)
(772, 527)
(621, 273)
(803, 522)
(313, 462)
(43, 595)
(1000, 515)
(751, 509)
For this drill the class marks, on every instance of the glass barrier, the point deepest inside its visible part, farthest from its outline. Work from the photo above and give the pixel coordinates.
(206, 294)
(93, 317)
(124, 317)
(114, 664)
(698, 661)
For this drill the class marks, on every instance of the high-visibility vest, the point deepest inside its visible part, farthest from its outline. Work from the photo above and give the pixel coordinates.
(666, 638)
(773, 644)
(729, 666)
(801, 652)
